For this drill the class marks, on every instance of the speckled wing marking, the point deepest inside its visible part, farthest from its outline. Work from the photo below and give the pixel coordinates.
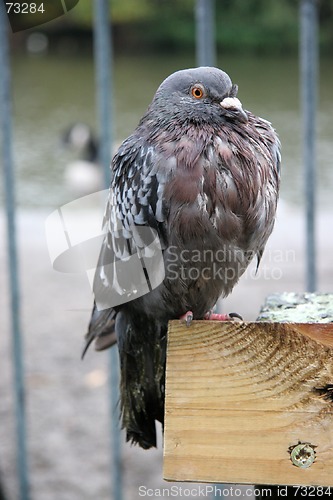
(134, 219)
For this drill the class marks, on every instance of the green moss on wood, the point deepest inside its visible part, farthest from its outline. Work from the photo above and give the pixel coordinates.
(298, 308)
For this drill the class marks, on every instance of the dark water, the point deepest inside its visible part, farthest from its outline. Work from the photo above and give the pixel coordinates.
(51, 92)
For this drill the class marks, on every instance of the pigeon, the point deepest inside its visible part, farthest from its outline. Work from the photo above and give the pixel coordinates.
(201, 174)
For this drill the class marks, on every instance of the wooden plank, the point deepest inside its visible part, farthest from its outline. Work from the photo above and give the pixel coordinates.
(239, 395)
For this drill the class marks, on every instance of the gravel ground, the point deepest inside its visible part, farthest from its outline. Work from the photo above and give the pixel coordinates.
(67, 399)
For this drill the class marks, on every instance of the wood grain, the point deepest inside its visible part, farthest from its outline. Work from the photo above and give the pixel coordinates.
(239, 395)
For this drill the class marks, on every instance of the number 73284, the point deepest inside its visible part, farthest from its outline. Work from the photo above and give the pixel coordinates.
(24, 8)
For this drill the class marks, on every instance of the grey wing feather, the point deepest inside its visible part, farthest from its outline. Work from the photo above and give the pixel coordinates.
(135, 216)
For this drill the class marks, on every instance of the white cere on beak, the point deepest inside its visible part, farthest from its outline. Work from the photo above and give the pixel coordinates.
(234, 106)
(231, 103)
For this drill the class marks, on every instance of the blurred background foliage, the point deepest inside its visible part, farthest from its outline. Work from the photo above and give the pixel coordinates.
(258, 26)
(250, 26)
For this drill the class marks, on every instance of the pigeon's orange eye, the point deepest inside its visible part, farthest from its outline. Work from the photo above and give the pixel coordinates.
(197, 91)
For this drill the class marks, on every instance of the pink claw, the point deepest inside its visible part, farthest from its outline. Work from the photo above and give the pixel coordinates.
(187, 317)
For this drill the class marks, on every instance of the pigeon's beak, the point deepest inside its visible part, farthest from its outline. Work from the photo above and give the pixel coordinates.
(233, 109)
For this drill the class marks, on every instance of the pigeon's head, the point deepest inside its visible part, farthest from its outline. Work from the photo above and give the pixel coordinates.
(198, 95)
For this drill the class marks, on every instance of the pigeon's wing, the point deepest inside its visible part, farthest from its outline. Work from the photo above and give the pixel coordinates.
(135, 235)
(136, 197)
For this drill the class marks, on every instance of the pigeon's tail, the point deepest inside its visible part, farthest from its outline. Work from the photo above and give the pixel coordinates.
(142, 351)
(101, 329)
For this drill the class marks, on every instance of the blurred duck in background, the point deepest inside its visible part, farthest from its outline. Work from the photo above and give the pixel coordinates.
(84, 175)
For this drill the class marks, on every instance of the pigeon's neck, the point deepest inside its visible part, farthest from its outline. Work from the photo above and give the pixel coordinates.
(174, 131)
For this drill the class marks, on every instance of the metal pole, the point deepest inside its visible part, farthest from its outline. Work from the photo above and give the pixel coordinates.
(103, 58)
(308, 77)
(205, 32)
(17, 347)
(102, 55)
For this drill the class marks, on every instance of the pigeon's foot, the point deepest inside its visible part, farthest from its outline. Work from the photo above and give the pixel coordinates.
(222, 317)
(187, 317)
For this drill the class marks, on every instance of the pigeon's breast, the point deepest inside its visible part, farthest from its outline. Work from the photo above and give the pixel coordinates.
(205, 257)
(203, 200)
